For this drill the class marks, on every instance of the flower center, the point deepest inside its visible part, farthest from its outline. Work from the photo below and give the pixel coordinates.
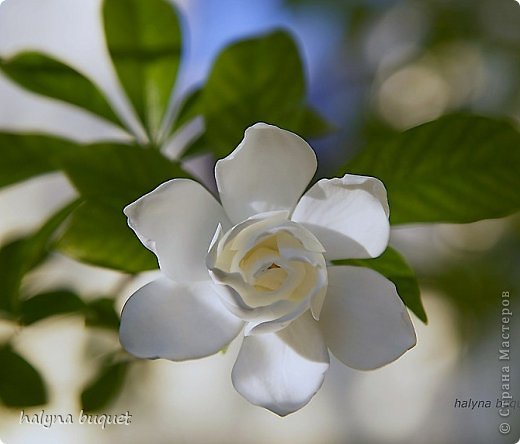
(273, 265)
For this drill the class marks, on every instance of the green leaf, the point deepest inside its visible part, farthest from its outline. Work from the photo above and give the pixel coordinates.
(24, 156)
(394, 267)
(309, 123)
(44, 75)
(104, 388)
(144, 41)
(20, 383)
(108, 178)
(101, 313)
(40, 243)
(190, 108)
(256, 80)
(12, 268)
(459, 168)
(118, 173)
(306, 118)
(97, 233)
(22, 255)
(49, 304)
(199, 145)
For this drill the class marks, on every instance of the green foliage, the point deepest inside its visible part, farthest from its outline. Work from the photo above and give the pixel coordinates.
(190, 108)
(308, 123)
(117, 173)
(44, 75)
(22, 255)
(395, 268)
(255, 80)
(49, 304)
(40, 243)
(97, 313)
(144, 40)
(104, 387)
(20, 383)
(101, 313)
(24, 156)
(459, 168)
(12, 268)
(97, 234)
(473, 286)
(109, 178)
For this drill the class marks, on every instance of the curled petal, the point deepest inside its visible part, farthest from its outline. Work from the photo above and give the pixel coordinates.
(174, 321)
(268, 171)
(349, 216)
(282, 371)
(364, 322)
(176, 221)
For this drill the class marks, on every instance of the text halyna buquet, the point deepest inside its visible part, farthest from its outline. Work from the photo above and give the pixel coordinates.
(47, 420)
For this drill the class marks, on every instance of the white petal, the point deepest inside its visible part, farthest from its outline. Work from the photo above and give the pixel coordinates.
(364, 321)
(261, 327)
(349, 216)
(282, 371)
(268, 171)
(177, 221)
(164, 319)
(317, 303)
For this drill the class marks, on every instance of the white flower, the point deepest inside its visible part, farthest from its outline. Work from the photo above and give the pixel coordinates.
(260, 262)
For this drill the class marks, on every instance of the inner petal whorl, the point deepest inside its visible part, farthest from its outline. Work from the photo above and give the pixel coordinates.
(272, 267)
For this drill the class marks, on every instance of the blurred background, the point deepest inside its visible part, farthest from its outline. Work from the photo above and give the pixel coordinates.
(374, 67)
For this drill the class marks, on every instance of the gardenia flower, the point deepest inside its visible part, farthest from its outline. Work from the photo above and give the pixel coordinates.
(260, 262)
